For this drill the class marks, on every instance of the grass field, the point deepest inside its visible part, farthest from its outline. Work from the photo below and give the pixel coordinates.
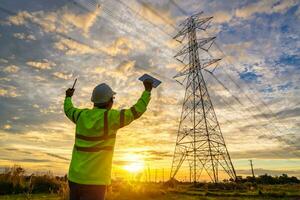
(184, 192)
(168, 196)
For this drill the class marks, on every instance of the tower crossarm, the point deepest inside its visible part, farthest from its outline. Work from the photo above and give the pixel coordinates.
(199, 44)
(200, 23)
(205, 63)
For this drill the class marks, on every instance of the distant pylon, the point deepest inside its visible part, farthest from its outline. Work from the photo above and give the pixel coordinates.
(200, 142)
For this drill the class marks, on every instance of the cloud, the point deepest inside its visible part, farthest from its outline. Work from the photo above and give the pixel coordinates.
(121, 46)
(19, 19)
(2, 60)
(264, 7)
(82, 21)
(157, 155)
(44, 64)
(62, 75)
(221, 17)
(298, 12)
(6, 126)
(8, 91)
(292, 141)
(11, 69)
(286, 113)
(156, 15)
(31, 160)
(270, 153)
(23, 36)
(123, 71)
(63, 20)
(132, 46)
(71, 47)
(57, 156)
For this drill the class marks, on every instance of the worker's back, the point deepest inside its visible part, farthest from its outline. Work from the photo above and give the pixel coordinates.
(88, 166)
(95, 139)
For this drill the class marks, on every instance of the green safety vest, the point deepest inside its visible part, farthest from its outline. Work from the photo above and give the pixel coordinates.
(95, 139)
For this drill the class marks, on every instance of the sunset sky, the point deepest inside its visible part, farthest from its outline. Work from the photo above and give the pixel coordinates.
(46, 44)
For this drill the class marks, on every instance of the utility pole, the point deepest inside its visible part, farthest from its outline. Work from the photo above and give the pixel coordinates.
(155, 175)
(199, 137)
(149, 174)
(145, 175)
(252, 169)
(190, 172)
(163, 175)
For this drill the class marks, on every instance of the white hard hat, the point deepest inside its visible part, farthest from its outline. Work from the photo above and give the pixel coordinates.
(102, 93)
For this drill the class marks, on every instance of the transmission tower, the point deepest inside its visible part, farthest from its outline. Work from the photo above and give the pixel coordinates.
(200, 142)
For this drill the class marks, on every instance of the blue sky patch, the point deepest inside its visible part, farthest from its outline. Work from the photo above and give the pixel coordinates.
(249, 76)
(292, 60)
(285, 87)
(267, 89)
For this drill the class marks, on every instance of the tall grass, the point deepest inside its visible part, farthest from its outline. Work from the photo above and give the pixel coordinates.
(15, 181)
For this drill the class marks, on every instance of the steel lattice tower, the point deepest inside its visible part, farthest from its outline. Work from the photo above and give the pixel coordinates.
(200, 142)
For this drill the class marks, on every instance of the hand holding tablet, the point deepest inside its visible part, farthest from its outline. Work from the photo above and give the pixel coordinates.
(155, 82)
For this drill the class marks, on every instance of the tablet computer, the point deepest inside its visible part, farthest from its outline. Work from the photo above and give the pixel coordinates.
(155, 83)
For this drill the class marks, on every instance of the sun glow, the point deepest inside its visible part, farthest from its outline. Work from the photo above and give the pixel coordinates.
(135, 163)
(133, 167)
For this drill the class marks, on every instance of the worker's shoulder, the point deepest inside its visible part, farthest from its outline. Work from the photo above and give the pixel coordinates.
(114, 111)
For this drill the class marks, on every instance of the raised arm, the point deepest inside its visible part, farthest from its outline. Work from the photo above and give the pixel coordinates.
(71, 112)
(128, 115)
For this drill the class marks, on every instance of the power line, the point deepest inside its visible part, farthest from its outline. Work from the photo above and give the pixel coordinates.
(120, 19)
(244, 106)
(236, 83)
(238, 111)
(226, 57)
(80, 42)
(132, 10)
(178, 7)
(157, 14)
(249, 111)
(252, 102)
(223, 53)
(144, 68)
(40, 26)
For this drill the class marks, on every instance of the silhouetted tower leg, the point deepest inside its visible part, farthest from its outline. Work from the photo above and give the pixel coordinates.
(200, 142)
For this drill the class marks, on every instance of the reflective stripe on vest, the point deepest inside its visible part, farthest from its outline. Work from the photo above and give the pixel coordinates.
(105, 123)
(122, 118)
(93, 149)
(134, 112)
(95, 138)
(105, 136)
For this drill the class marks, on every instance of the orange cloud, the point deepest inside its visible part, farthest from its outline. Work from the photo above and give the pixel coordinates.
(44, 64)
(8, 91)
(23, 36)
(264, 7)
(71, 47)
(62, 75)
(62, 20)
(11, 69)
(122, 46)
(157, 16)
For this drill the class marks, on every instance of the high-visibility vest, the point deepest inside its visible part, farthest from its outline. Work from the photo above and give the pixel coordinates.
(95, 139)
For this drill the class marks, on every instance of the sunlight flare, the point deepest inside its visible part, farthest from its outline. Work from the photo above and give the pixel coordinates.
(135, 163)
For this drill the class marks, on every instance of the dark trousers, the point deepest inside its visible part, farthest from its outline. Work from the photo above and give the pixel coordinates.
(86, 192)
